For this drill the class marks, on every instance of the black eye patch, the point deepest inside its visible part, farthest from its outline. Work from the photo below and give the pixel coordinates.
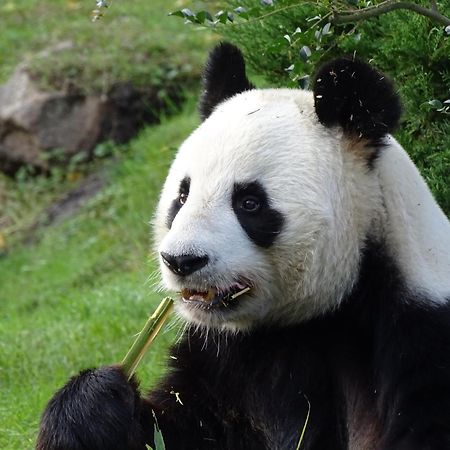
(251, 206)
(177, 203)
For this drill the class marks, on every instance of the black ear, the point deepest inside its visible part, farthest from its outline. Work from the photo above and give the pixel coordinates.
(223, 76)
(354, 95)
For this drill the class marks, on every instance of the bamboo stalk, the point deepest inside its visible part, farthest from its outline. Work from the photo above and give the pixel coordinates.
(146, 336)
(302, 435)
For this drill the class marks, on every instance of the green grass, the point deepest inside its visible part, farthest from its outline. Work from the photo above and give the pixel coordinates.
(78, 295)
(24, 198)
(76, 298)
(135, 41)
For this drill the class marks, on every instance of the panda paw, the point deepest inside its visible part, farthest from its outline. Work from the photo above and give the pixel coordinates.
(98, 409)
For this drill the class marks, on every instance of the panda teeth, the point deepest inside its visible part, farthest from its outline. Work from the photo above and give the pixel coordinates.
(199, 296)
(214, 297)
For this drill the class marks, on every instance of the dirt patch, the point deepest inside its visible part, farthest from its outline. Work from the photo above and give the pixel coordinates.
(67, 205)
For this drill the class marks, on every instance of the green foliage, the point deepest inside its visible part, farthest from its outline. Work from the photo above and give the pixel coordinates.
(285, 41)
(158, 436)
(422, 76)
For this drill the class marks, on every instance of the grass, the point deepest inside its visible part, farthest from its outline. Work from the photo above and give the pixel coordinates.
(22, 200)
(77, 297)
(135, 41)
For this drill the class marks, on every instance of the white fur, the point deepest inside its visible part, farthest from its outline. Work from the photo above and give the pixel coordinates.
(325, 191)
(416, 230)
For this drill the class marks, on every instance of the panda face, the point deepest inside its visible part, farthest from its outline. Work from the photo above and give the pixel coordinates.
(266, 209)
(251, 201)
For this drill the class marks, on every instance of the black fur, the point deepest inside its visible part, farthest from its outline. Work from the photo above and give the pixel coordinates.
(223, 76)
(263, 225)
(384, 354)
(97, 410)
(354, 95)
(176, 204)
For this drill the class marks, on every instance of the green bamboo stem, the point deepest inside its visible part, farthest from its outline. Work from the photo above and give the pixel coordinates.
(146, 336)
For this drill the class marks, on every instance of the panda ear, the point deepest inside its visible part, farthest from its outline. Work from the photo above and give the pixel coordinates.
(354, 95)
(223, 76)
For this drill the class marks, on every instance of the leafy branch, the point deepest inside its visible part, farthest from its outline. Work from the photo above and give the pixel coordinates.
(340, 18)
(321, 26)
(442, 107)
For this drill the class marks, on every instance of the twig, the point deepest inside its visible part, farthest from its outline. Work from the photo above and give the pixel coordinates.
(388, 6)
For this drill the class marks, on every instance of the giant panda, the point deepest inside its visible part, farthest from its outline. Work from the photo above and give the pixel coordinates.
(306, 205)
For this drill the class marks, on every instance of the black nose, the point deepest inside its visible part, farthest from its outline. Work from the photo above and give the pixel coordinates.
(184, 264)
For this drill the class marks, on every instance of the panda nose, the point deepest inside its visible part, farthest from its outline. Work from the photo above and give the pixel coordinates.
(184, 264)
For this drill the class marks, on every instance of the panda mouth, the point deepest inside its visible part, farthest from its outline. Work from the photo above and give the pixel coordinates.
(214, 297)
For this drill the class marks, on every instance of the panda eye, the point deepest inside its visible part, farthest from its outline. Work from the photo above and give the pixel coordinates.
(182, 198)
(250, 203)
(183, 193)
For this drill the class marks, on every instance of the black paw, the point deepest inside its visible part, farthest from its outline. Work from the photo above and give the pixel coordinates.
(97, 410)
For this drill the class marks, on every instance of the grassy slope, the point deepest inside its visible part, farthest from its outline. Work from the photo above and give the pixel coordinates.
(135, 41)
(76, 298)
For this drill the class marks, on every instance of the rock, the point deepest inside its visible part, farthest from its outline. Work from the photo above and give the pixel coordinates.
(35, 122)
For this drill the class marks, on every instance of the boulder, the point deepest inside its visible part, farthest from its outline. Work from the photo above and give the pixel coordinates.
(35, 122)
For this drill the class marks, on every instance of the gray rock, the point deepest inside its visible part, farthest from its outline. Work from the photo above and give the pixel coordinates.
(35, 122)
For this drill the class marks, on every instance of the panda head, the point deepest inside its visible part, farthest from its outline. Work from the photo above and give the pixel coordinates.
(268, 203)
